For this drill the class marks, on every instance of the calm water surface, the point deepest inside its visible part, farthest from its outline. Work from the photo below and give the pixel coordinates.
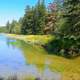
(20, 58)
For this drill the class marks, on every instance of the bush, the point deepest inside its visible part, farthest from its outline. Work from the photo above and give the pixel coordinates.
(67, 46)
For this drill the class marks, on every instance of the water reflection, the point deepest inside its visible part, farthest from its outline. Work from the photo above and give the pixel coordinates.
(20, 58)
(8, 41)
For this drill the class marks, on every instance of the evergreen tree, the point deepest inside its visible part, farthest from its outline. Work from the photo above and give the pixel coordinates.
(40, 14)
(26, 21)
(34, 19)
(8, 26)
(72, 17)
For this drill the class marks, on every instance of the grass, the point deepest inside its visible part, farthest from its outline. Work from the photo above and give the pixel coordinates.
(38, 39)
(69, 68)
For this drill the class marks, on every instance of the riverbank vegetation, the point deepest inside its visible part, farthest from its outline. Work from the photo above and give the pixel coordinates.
(33, 39)
(37, 55)
(57, 29)
(60, 18)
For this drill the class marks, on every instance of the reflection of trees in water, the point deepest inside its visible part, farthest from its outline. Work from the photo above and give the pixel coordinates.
(14, 77)
(34, 56)
(10, 42)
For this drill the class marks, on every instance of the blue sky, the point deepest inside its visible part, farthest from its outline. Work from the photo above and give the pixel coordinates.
(14, 9)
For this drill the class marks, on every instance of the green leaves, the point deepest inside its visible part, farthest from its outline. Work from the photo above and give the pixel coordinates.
(72, 16)
(34, 19)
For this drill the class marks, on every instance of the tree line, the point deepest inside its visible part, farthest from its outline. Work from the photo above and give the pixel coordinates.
(60, 17)
(32, 22)
(67, 41)
(37, 19)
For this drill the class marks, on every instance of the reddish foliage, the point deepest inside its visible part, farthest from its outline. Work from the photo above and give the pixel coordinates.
(52, 6)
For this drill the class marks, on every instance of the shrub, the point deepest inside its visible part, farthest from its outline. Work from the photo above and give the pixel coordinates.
(67, 46)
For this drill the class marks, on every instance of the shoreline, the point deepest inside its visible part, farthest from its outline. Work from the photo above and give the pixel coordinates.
(60, 64)
(32, 39)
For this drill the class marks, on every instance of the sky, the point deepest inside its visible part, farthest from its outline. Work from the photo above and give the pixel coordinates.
(14, 9)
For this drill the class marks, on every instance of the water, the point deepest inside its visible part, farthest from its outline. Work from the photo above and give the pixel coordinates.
(23, 59)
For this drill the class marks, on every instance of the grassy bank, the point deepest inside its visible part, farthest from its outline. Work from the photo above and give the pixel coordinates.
(36, 39)
(69, 68)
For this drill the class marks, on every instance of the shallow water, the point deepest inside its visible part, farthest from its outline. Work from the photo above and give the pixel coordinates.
(23, 59)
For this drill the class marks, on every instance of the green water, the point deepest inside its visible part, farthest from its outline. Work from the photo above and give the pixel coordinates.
(24, 59)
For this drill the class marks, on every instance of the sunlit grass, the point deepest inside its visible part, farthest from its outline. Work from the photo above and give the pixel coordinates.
(41, 39)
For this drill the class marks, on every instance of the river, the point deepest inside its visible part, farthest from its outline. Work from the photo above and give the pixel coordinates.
(24, 60)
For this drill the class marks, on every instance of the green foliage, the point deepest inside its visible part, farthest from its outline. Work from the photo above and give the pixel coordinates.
(63, 17)
(68, 24)
(72, 16)
(26, 22)
(8, 26)
(34, 19)
(65, 46)
(13, 27)
(3, 29)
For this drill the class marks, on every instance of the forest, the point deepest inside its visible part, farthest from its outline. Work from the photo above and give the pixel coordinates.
(61, 19)
(40, 41)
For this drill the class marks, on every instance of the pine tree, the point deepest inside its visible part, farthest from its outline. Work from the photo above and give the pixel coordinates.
(34, 19)
(26, 21)
(8, 26)
(40, 14)
(72, 16)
